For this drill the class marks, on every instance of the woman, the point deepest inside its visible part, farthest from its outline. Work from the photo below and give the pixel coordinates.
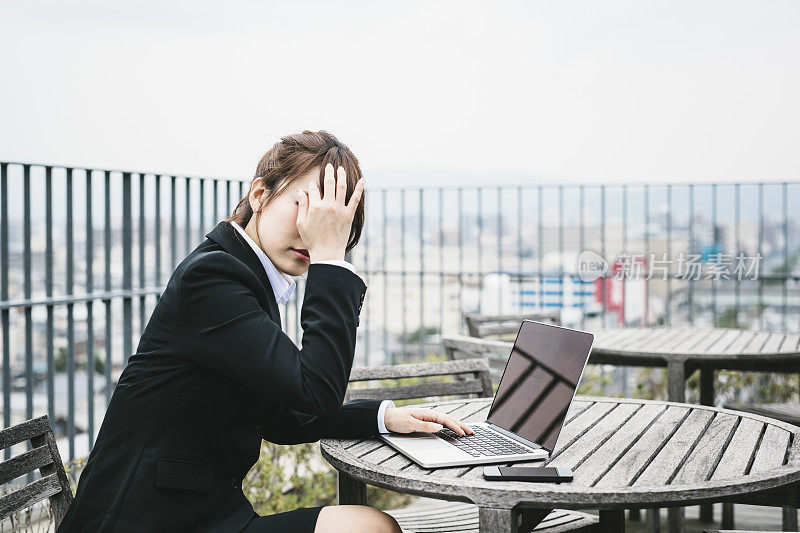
(213, 373)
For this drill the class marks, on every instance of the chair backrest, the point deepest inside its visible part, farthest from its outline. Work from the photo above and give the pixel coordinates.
(477, 381)
(44, 456)
(484, 325)
(496, 352)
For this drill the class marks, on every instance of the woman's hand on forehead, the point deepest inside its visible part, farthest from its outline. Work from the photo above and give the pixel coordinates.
(324, 220)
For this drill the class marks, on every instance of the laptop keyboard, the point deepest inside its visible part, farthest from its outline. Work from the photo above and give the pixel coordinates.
(484, 442)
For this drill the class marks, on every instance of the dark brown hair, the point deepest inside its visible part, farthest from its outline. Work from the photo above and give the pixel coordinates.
(291, 158)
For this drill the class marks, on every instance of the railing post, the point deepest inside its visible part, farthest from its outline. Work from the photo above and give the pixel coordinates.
(89, 310)
(70, 323)
(26, 261)
(127, 268)
(48, 268)
(4, 296)
(107, 284)
(142, 230)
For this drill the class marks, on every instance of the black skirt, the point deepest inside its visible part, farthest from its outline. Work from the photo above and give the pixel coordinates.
(302, 520)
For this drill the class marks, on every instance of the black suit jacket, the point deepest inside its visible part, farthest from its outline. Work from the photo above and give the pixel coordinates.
(213, 374)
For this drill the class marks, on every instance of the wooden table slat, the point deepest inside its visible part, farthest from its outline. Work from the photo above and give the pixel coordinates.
(617, 446)
(740, 451)
(627, 469)
(743, 340)
(755, 344)
(617, 336)
(415, 469)
(450, 472)
(677, 336)
(462, 411)
(691, 340)
(681, 338)
(472, 472)
(576, 409)
(794, 452)
(772, 450)
(674, 453)
(478, 416)
(655, 339)
(364, 447)
(396, 462)
(702, 459)
(722, 343)
(610, 335)
(791, 343)
(633, 338)
(349, 443)
(595, 436)
(604, 340)
(579, 425)
(773, 343)
(380, 455)
(709, 341)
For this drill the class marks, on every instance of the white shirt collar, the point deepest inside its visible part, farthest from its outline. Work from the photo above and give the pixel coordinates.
(282, 285)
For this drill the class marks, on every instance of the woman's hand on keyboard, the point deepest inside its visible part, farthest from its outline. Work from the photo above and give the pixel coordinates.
(410, 419)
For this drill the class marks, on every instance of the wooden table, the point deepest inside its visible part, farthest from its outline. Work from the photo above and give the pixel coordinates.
(624, 452)
(686, 349)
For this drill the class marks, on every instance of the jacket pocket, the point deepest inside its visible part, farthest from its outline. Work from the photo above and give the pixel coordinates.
(180, 474)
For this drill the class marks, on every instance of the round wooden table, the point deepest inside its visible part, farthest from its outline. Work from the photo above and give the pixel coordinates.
(686, 349)
(624, 453)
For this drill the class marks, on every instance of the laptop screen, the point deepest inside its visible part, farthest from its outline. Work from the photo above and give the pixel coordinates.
(539, 381)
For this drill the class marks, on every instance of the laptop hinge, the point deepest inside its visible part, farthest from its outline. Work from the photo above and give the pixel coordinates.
(514, 436)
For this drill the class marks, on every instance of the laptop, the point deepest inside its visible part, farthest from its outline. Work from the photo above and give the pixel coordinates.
(528, 410)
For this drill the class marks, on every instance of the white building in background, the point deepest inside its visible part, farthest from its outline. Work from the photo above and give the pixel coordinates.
(565, 292)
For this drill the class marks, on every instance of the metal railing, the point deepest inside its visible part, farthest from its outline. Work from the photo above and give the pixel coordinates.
(451, 240)
(132, 218)
(428, 255)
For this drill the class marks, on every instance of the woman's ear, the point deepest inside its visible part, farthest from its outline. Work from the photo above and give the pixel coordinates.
(256, 195)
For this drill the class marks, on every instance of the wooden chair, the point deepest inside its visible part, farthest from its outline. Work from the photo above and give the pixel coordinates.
(52, 484)
(505, 326)
(785, 412)
(479, 382)
(436, 516)
(458, 347)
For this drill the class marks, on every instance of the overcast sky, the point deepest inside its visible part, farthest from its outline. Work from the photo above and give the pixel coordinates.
(440, 93)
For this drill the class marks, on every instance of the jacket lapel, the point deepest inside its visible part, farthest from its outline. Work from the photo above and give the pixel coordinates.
(225, 235)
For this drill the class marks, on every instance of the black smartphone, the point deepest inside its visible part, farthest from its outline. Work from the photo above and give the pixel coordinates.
(551, 474)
